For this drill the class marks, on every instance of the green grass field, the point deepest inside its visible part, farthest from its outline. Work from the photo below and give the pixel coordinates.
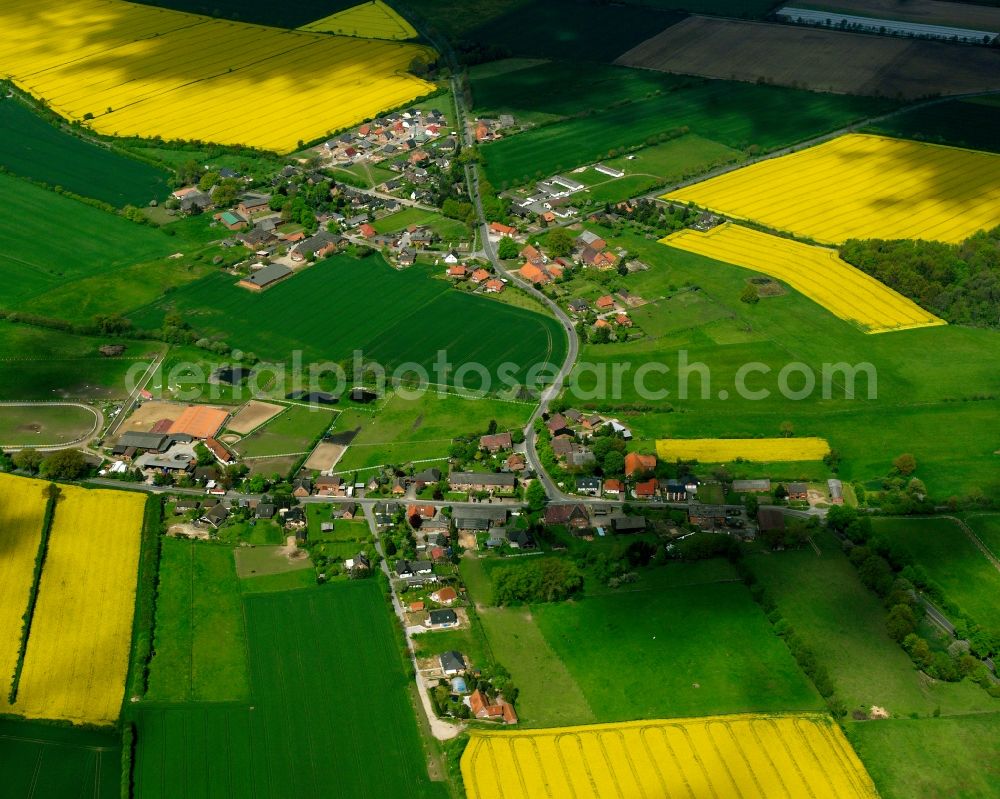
(42, 426)
(344, 530)
(518, 644)
(352, 732)
(951, 560)
(281, 581)
(41, 364)
(674, 651)
(404, 317)
(942, 758)
(32, 147)
(405, 429)
(200, 641)
(450, 230)
(936, 410)
(41, 761)
(118, 290)
(89, 241)
(290, 432)
(844, 624)
(264, 561)
(973, 123)
(685, 639)
(736, 115)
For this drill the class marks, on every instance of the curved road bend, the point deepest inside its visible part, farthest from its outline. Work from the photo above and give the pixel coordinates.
(573, 349)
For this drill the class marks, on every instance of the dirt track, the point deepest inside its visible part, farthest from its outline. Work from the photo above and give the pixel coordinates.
(817, 59)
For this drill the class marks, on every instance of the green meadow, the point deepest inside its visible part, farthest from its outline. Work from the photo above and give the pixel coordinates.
(354, 729)
(843, 622)
(933, 758)
(89, 241)
(38, 364)
(200, 641)
(402, 429)
(686, 639)
(343, 304)
(33, 148)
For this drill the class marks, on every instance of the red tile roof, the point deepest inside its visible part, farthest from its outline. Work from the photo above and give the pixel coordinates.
(533, 274)
(636, 463)
(423, 511)
(646, 489)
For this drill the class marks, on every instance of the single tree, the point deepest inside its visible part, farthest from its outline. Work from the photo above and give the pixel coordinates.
(559, 243)
(27, 460)
(905, 464)
(749, 295)
(507, 248)
(535, 496)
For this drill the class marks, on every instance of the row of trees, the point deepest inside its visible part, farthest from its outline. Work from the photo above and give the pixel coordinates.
(66, 464)
(540, 580)
(896, 579)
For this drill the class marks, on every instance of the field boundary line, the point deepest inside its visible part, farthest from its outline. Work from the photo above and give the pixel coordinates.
(273, 457)
(285, 408)
(977, 541)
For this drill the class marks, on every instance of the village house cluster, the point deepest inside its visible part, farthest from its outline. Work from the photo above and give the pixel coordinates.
(386, 138)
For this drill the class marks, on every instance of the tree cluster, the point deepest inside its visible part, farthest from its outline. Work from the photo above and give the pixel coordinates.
(958, 282)
(542, 580)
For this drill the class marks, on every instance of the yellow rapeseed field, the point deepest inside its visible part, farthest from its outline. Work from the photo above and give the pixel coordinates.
(817, 272)
(374, 20)
(22, 507)
(862, 187)
(133, 70)
(78, 651)
(724, 450)
(718, 756)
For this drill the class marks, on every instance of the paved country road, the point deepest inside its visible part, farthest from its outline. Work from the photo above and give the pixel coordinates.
(572, 350)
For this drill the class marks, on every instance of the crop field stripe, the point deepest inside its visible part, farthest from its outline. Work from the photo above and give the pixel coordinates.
(718, 756)
(862, 186)
(374, 20)
(84, 613)
(718, 450)
(818, 273)
(22, 508)
(215, 90)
